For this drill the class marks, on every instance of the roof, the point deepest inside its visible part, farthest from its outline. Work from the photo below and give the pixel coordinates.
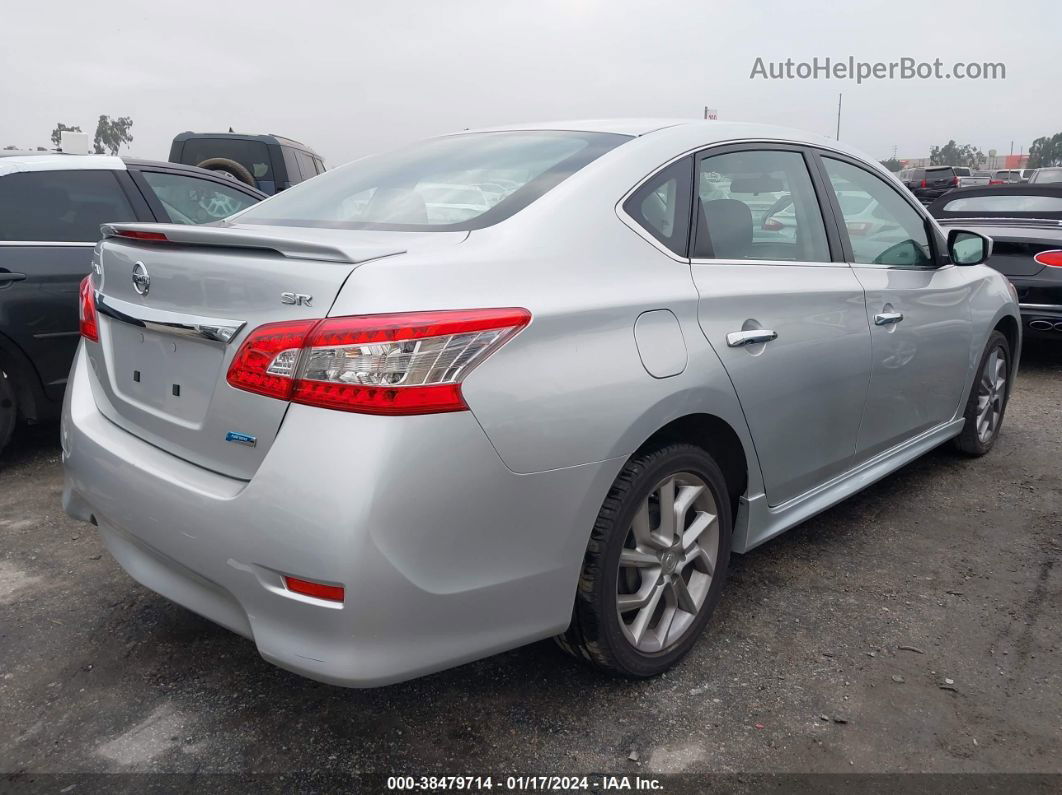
(269, 138)
(721, 130)
(56, 161)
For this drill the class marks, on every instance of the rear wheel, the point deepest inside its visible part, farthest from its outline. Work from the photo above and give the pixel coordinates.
(8, 409)
(655, 565)
(988, 399)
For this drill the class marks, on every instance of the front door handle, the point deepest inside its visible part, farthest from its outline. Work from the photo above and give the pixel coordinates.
(7, 278)
(887, 318)
(737, 339)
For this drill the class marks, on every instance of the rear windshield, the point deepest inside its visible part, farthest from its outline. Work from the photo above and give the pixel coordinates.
(252, 155)
(961, 171)
(1008, 203)
(939, 173)
(459, 182)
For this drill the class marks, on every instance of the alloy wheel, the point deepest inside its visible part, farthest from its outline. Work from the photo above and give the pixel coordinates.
(991, 395)
(667, 562)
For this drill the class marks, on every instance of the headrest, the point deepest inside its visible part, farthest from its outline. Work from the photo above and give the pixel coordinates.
(728, 223)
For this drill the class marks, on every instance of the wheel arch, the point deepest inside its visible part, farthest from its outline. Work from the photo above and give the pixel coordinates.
(714, 435)
(24, 375)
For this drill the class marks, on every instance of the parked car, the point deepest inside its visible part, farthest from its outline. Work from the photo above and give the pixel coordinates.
(51, 209)
(1045, 176)
(269, 163)
(973, 179)
(930, 182)
(414, 444)
(1007, 176)
(1025, 221)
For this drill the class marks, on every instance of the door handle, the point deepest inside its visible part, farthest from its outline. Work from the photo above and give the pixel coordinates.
(7, 278)
(887, 318)
(737, 339)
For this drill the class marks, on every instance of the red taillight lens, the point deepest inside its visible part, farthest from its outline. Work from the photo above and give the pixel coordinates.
(139, 234)
(923, 184)
(954, 180)
(90, 327)
(410, 363)
(1052, 258)
(995, 182)
(332, 593)
(266, 362)
(772, 225)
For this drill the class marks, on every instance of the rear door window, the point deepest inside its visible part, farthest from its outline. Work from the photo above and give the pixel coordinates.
(190, 200)
(758, 205)
(60, 206)
(306, 164)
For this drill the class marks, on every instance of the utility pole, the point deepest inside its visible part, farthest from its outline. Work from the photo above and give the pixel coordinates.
(839, 116)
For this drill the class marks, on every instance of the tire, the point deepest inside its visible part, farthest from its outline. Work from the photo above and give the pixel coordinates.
(599, 634)
(991, 387)
(230, 167)
(8, 409)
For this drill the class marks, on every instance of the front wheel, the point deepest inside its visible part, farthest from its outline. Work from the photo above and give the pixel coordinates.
(655, 565)
(988, 399)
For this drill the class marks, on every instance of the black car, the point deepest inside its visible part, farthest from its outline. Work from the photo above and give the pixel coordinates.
(1025, 221)
(51, 208)
(931, 182)
(270, 163)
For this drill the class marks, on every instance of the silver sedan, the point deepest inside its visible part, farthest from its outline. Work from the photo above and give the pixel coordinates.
(519, 383)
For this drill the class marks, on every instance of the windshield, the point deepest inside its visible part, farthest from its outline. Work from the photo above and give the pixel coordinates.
(459, 182)
(1005, 203)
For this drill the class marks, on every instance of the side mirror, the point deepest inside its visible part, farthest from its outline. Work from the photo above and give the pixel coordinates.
(968, 248)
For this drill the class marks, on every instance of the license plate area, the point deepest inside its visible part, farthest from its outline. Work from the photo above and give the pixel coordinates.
(167, 375)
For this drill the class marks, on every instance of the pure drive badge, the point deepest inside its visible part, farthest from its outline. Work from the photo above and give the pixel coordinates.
(241, 438)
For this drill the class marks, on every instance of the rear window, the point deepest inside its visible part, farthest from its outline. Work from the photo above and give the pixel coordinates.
(252, 155)
(1009, 203)
(939, 173)
(459, 182)
(961, 171)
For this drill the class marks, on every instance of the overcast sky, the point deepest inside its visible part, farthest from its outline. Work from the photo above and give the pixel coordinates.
(354, 77)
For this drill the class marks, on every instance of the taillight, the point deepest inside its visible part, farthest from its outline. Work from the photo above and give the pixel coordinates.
(995, 182)
(955, 181)
(409, 363)
(858, 228)
(772, 225)
(1052, 258)
(923, 184)
(86, 311)
(139, 234)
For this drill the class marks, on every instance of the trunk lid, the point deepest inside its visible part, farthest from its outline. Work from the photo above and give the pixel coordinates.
(159, 369)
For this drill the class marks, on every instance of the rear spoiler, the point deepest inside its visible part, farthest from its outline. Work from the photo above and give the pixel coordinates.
(267, 239)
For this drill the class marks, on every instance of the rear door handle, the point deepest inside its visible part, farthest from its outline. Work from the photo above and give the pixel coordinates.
(736, 339)
(7, 278)
(887, 318)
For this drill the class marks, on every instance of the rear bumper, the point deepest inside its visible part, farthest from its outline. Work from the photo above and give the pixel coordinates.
(445, 554)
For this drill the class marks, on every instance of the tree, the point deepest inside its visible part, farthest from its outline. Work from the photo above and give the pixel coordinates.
(892, 164)
(951, 154)
(111, 134)
(10, 148)
(60, 128)
(1046, 151)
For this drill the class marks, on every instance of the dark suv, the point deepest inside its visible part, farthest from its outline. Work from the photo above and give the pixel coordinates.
(51, 208)
(932, 182)
(270, 163)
